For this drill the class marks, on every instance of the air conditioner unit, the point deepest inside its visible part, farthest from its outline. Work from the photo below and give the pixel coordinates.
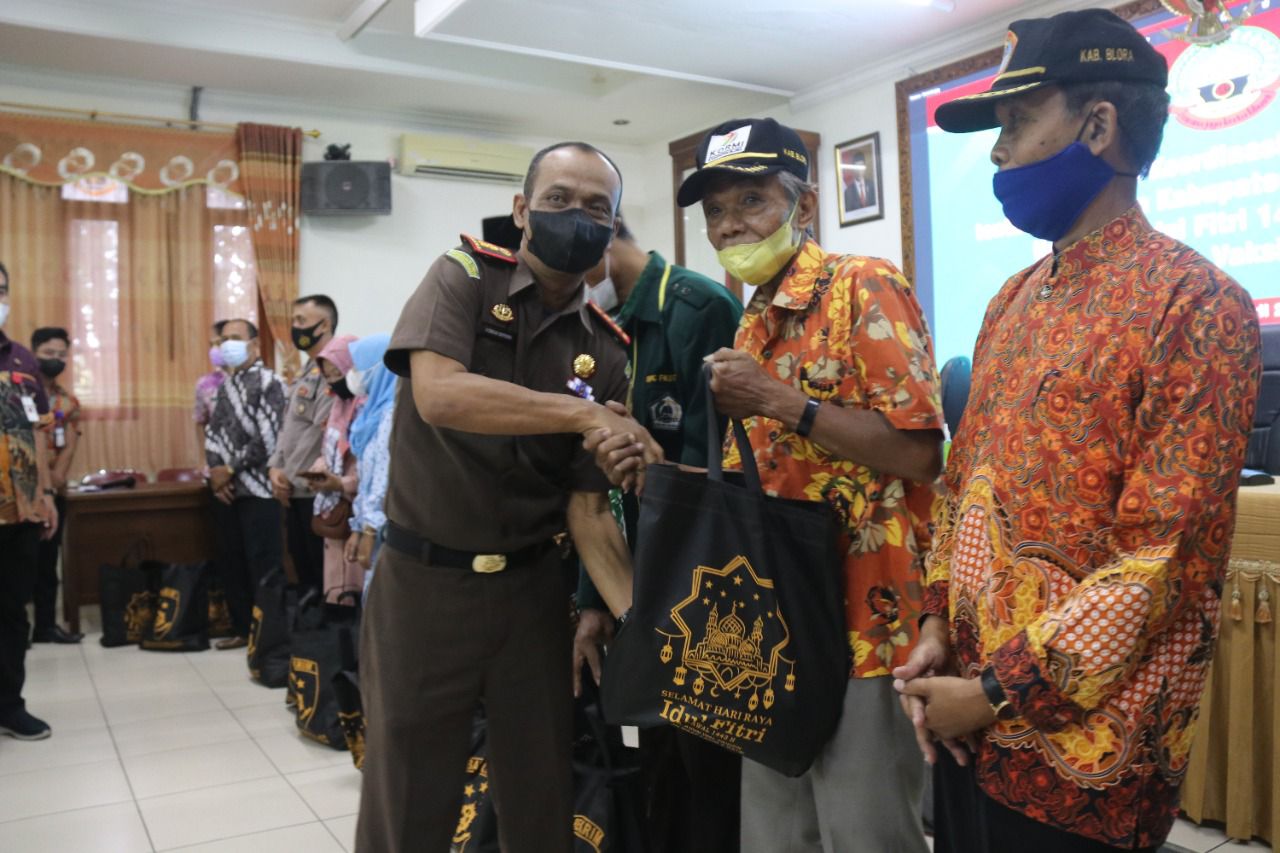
(458, 157)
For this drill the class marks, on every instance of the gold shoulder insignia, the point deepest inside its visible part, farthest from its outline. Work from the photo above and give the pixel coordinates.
(464, 260)
(609, 324)
(489, 250)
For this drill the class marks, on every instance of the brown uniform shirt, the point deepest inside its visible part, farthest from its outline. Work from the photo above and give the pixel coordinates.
(492, 493)
(302, 434)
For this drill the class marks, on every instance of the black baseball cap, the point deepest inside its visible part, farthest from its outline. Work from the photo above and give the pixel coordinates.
(745, 146)
(1074, 47)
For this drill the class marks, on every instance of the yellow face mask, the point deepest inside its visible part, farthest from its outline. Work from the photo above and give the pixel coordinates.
(756, 263)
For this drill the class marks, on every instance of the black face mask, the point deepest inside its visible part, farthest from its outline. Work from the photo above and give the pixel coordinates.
(305, 339)
(52, 367)
(340, 388)
(568, 241)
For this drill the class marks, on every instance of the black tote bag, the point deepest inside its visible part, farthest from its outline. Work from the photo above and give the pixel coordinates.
(737, 628)
(319, 650)
(181, 621)
(268, 650)
(608, 790)
(126, 595)
(346, 692)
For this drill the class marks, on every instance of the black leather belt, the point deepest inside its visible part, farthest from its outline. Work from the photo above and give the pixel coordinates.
(409, 543)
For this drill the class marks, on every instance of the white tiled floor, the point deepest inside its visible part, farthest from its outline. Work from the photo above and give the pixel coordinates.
(156, 752)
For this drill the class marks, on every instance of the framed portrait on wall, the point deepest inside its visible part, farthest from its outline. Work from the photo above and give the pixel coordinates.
(858, 180)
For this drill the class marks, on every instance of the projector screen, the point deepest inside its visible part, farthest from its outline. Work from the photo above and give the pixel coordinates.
(1214, 186)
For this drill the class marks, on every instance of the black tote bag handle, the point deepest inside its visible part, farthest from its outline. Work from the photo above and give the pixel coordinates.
(715, 443)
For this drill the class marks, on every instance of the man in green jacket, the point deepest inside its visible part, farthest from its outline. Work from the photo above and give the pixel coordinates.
(674, 318)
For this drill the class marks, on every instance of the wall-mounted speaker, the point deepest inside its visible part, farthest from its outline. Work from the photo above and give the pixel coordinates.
(346, 188)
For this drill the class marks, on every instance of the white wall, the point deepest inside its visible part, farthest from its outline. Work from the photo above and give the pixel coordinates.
(867, 110)
(368, 264)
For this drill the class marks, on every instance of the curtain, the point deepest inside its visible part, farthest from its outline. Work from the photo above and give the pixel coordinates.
(132, 284)
(134, 239)
(271, 174)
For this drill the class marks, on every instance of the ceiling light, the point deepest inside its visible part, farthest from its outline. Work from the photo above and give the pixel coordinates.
(429, 14)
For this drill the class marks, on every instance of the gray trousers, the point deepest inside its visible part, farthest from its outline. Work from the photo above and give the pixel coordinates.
(862, 795)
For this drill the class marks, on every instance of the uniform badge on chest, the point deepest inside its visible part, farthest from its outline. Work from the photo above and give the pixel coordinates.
(666, 414)
(584, 366)
(502, 313)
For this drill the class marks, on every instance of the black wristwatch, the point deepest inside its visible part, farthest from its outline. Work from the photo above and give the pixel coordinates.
(806, 420)
(996, 697)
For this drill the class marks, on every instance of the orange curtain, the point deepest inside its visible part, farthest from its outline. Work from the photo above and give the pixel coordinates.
(106, 231)
(132, 283)
(271, 174)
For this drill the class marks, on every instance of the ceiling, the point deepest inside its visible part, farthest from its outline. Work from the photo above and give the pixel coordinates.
(533, 67)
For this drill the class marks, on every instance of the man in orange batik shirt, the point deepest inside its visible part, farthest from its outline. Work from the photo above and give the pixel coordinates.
(1077, 570)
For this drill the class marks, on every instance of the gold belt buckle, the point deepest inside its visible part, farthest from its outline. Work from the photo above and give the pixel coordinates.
(487, 564)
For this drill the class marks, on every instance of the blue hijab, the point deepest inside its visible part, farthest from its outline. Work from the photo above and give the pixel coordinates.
(379, 385)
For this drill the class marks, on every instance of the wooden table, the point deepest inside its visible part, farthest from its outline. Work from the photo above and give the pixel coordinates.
(1234, 771)
(171, 522)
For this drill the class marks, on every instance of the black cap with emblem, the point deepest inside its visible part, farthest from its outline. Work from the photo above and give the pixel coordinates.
(745, 146)
(1074, 47)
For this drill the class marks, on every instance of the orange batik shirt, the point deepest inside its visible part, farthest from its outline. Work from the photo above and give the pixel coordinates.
(847, 330)
(1091, 504)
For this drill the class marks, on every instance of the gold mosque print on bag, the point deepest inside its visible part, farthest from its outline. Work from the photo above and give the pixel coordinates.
(304, 687)
(731, 635)
(138, 614)
(474, 794)
(255, 630)
(352, 723)
(166, 612)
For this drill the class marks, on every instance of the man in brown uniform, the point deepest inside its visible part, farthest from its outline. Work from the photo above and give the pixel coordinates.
(504, 360)
(315, 322)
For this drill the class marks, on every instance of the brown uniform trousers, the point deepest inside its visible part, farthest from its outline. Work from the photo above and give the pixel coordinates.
(437, 643)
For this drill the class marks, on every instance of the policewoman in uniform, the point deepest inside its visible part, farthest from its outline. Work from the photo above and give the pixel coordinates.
(674, 318)
(506, 368)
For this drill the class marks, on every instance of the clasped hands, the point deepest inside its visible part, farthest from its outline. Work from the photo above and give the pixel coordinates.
(741, 387)
(941, 706)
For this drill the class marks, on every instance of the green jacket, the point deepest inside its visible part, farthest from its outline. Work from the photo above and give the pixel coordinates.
(674, 319)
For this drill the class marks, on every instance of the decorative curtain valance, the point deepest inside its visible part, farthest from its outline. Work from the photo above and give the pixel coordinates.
(56, 151)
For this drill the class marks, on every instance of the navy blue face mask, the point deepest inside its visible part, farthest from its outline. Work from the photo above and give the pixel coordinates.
(1045, 199)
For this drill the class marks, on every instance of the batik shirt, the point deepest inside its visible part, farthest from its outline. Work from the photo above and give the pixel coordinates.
(243, 429)
(848, 331)
(1092, 500)
(19, 475)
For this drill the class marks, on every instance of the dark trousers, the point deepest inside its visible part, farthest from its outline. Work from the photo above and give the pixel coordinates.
(694, 793)
(305, 547)
(248, 535)
(966, 820)
(19, 566)
(437, 642)
(46, 595)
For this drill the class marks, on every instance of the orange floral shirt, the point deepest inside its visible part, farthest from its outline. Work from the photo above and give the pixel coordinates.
(847, 330)
(1091, 505)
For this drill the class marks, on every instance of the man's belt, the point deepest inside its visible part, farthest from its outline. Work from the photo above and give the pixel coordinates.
(409, 543)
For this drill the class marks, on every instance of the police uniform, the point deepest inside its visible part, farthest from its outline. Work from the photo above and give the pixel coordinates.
(675, 318)
(468, 604)
(297, 448)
